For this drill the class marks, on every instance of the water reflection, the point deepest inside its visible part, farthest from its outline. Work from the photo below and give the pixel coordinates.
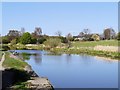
(30, 54)
(68, 58)
(24, 56)
(38, 58)
(105, 60)
(87, 60)
(84, 71)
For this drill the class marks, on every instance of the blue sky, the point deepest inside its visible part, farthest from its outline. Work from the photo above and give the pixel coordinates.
(65, 17)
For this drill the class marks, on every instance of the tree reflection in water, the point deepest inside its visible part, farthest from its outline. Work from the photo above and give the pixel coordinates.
(68, 58)
(38, 58)
(25, 56)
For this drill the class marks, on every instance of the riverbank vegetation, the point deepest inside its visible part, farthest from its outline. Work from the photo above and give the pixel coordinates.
(85, 42)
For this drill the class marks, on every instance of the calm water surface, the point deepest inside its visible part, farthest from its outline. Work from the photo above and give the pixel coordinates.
(74, 71)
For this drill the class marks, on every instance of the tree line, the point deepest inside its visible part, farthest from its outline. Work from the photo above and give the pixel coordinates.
(36, 37)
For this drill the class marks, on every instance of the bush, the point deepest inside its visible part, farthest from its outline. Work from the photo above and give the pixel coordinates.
(33, 41)
(64, 40)
(5, 40)
(41, 40)
(52, 42)
(95, 37)
(5, 48)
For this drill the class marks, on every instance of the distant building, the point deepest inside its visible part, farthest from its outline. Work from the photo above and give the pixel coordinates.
(78, 38)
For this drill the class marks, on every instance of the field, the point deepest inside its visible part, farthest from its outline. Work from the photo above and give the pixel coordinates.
(95, 43)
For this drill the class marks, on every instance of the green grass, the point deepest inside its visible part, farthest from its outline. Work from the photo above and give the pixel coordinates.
(16, 66)
(0, 55)
(112, 55)
(20, 86)
(95, 43)
(13, 63)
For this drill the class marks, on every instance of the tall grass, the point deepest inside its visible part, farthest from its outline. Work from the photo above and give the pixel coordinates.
(112, 55)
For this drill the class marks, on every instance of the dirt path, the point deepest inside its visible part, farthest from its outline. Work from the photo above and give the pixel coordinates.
(1, 62)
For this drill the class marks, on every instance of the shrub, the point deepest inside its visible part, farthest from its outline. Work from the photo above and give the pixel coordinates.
(52, 42)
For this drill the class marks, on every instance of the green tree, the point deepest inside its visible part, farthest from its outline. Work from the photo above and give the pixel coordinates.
(33, 41)
(26, 38)
(17, 40)
(5, 40)
(41, 40)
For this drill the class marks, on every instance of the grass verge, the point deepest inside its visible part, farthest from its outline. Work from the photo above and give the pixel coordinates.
(13, 63)
(16, 67)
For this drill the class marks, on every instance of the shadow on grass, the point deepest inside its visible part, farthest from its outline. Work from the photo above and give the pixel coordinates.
(13, 76)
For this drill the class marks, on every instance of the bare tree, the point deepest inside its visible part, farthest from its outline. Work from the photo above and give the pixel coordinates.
(59, 33)
(22, 31)
(13, 33)
(81, 34)
(109, 33)
(86, 34)
(38, 31)
(86, 31)
(69, 38)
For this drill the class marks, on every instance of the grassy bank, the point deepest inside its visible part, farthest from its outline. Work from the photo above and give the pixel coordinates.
(87, 47)
(79, 47)
(87, 51)
(11, 62)
(0, 55)
(18, 76)
(16, 67)
(112, 55)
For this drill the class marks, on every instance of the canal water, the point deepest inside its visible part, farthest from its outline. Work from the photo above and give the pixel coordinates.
(74, 71)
